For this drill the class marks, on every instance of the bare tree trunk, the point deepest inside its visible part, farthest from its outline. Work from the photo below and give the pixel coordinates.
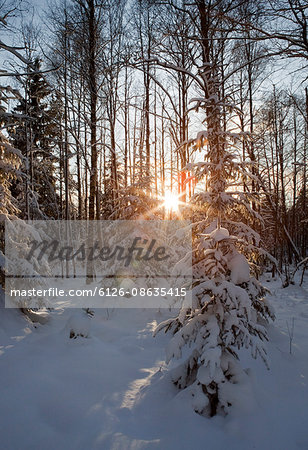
(155, 141)
(126, 129)
(93, 105)
(147, 122)
(162, 154)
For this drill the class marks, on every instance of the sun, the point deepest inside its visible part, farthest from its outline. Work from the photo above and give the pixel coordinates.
(171, 201)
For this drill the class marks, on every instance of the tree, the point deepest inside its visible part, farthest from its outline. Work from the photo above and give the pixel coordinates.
(285, 25)
(89, 38)
(113, 57)
(35, 133)
(9, 171)
(228, 301)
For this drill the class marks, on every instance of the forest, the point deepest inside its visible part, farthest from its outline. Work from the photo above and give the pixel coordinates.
(188, 112)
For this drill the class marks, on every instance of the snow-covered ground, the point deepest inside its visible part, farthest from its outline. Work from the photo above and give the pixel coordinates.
(112, 390)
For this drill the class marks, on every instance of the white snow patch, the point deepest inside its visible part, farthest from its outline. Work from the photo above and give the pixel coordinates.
(94, 394)
(239, 267)
(219, 234)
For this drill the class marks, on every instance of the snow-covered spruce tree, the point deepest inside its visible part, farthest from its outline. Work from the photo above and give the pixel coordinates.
(10, 159)
(229, 310)
(133, 203)
(11, 173)
(10, 162)
(36, 133)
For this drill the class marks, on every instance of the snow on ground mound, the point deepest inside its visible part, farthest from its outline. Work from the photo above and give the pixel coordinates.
(78, 325)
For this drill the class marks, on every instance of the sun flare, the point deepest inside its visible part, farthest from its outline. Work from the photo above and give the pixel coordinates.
(171, 201)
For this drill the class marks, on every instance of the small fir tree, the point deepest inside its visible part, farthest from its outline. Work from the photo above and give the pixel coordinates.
(36, 133)
(229, 310)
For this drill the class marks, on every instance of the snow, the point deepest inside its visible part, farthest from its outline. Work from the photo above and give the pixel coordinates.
(112, 389)
(79, 324)
(219, 234)
(239, 267)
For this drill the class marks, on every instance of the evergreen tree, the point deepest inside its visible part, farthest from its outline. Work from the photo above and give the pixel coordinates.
(10, 162)
(36, 133)
(228, 301)
(10, 159)
(131, 202)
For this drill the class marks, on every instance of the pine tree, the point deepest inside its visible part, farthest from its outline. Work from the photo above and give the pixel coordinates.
(10, 162)
(228, 301)
(36, 133)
